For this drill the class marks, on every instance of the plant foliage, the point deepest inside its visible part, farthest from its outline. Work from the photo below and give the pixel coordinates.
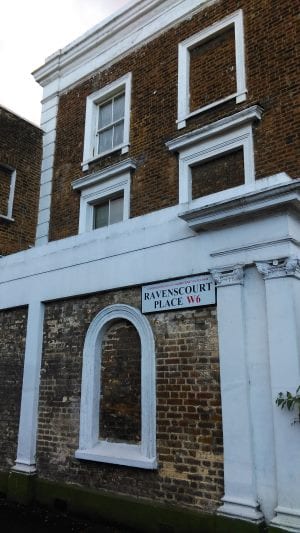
(290, 401)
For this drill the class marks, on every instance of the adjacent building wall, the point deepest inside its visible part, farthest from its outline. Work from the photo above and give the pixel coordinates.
(21, 150)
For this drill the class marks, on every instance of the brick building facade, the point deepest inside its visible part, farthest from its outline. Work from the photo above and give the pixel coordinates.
(163, 288)
(20, 167)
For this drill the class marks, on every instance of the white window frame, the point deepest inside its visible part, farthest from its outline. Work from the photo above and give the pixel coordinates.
(91, 118)
(234, 20)
(108, 203)
(13, 174)
(91, 448)
(206, 143)
(100, 186)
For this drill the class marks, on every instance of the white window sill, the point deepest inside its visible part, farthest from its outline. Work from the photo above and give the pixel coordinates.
(6, 218)
(242, 203)
(239, 97)
(123, 147)
(118, 454)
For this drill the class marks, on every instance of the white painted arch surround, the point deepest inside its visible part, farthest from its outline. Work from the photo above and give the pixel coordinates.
(92, 448)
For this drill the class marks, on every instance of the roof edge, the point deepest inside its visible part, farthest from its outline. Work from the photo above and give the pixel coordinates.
(134, 17)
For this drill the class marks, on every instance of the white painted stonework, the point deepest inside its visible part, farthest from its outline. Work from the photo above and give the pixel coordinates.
(239, 467)
(48, 124)
(26, 461)
(221, 137)
(260, 305)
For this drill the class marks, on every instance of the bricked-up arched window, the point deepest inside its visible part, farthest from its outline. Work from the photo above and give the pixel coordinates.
(120, 382)
(92, 446)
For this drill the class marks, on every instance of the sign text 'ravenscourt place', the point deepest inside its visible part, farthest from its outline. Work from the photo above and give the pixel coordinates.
(179, 294)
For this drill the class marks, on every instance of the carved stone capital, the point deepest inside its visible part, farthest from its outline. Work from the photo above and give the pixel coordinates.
(228, 276)
(279, 268)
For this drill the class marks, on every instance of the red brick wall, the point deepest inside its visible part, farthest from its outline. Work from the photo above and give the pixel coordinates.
(218, 174)
(207, 83)
(272, 82)
(120, 402)
(12, 347)
(20, 148)
(189, 435)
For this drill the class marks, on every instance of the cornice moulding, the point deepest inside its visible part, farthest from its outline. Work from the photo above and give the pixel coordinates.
(233, 121)
(244, 207)
(102, 175)
(139, 21)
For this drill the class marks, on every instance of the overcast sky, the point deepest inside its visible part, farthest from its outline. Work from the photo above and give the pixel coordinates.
(31, 30)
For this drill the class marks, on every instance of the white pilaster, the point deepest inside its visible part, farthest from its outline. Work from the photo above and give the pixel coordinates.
(240, 499)
(260, 391)
(282, 300)
(26, 461)
(48, 124)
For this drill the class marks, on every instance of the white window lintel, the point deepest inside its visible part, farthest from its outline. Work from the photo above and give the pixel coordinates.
(206, 143)
(101, 185)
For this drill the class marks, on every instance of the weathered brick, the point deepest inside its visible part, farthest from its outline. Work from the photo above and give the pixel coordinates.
(271, 68)
(189, 431)
(21, 149)
(12, 346)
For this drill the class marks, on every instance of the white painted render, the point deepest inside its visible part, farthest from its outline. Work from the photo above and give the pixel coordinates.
(26, 461)
(239, 465)
(130, 252)
(48, 124)
(260, 306)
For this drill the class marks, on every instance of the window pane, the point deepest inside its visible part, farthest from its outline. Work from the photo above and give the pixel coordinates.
(101, 215)
(105, 140)
(118, 134)
(116, 210)
(119, 107)
(105, 114)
